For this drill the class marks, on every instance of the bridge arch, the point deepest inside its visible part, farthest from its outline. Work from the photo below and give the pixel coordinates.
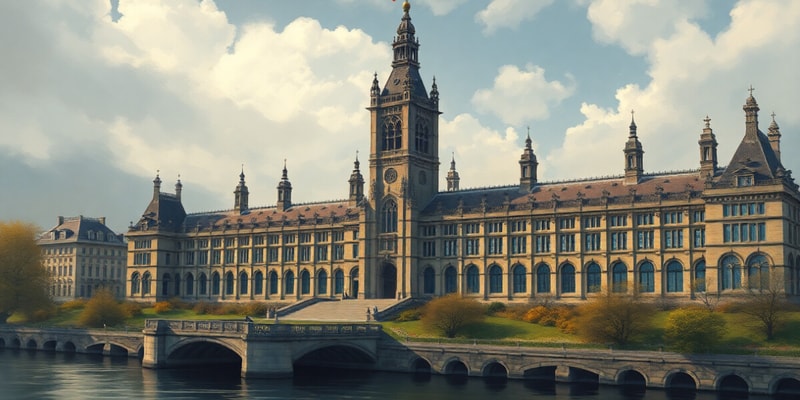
(629, 376)
(16, 343)
(420, 365)
(2, 343)
(202, 351)
(455, 366)
(494, 369)
(49, 345)
(731, 382)
(680, 379)
(31, 344)
(785, 385)
(68, 347)
(334, 353)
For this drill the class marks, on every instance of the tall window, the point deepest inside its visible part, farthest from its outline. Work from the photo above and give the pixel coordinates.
(229, 283)
(421, 137)
(473, 282)
(674, 277)
(758, 273)
(619, 278)
(215, 284)
(700, 276)
(135, 283)
(288, 283)
(203, 283)
(338, 282)
(646, 277)
(428, 281)
(258, 283)
(273, 282)
(305, 282)
(731, 270)
(543, 279)
(389, 217)
(322, 282)
(567, 279)
(392, 134)
(495, 279)
(243, 283)
(450, 280)
(593, 279)
(520, 284)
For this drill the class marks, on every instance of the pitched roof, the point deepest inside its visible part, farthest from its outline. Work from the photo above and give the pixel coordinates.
(79, 229)
(165, 211)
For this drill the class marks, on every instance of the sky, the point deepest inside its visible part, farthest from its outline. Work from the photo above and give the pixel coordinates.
(98, 96)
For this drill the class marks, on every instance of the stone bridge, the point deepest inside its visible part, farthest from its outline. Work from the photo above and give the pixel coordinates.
(68, 340)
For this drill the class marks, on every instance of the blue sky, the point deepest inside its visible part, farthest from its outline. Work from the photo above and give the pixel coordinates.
(96, 97)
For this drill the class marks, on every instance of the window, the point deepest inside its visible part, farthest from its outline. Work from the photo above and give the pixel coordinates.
(202, 243)
(273, 282)
(472, 246)
(520, 283)
(619, 240)
(215, 284)
(429, 230)
(567, 279)
(305, 282)
(542, 243)
(673, 238)
(305, 237)
(566, 243)
(543, 279)
(429, 281)
(321, 253)
(698, 216)
(421, 137)
(258, 256)
(700, 276)
(273, 240)
(494, 227)
(244, 241)
(429, 248)
(644, 239)
(389, 217)
(321, 237)
(230, 242)
(644, 219)
(392, 133)
(566, 223)
(542, 224)
(288, 254)
(743, 209)
(617, 220)
(495, 245)
(647, 277)
(216, 257)
(674, 277)
(471, 229)
(322, 282)
(288, 239)
(744, 232)
(355, 251)
(258, 240)
(338, 252)
(355, 234)
(338, 282)
(619, 278)
(593, 278)
(591, 222)
(288, 283)
(495, 279)
(746, 180)
(450, 280)
(450, 230)
(731, 270)
(243, 283)
(272, 255)
(699, 237)
(672, 217)
(244, 256)
(338, 236)
(519, 225)
(258, 281)
(450, 247)
(473, 285)
(758, 273)
(139, 244)
(229, 256)
(229, 283)
(519, 244)
(305, 253)
(591, 241)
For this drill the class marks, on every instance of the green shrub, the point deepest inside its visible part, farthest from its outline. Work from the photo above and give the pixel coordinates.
(162, 307)
(202, 308)
(256, 309)
(102, 310)
(693, 330)
(76, 304)
(413, 314)
(495, 307)
(133, 308)
(448, 315)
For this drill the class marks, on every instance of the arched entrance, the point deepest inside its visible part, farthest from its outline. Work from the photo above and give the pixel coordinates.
(388, 281)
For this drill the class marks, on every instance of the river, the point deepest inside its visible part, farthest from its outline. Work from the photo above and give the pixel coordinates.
(41, 375)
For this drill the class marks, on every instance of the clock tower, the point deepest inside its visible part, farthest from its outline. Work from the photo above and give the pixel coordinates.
(404, 162)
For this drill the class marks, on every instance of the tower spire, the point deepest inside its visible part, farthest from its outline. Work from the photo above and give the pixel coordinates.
(708, 150)
(241, 195)
(284, 190)
(356, 182)
(452, 175)
(634, 156)
(528, 166)
(178, 188)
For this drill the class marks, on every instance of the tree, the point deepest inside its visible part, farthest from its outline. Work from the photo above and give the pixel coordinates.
(693, 329)
(766, 303)
(709, 300)
(23, 278)
(102, 309)
(449, 314)
(613, 317)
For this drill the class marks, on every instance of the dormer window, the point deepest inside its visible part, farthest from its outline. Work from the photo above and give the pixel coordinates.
(744, 180)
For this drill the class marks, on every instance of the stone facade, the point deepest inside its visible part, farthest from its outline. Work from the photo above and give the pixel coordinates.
(82, 254)
(708, 231)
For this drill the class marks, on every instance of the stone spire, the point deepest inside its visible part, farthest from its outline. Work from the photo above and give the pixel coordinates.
(178, 188)
(774, 137)
(284, 191)
(452, 176)
(356, 183)
(156, 186)
(634, 156)
(527, 166)
(708, 150)
(241, 195)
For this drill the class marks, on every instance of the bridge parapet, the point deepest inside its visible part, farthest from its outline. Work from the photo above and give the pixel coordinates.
(262, 330)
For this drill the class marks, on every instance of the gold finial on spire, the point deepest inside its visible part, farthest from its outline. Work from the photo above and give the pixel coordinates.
(406, 6)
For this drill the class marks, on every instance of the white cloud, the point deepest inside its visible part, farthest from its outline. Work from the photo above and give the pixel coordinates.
(509, 13)
(520, 96)
(441, 7)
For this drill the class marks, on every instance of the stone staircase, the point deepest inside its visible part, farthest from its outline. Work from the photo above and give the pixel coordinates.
(350, 310)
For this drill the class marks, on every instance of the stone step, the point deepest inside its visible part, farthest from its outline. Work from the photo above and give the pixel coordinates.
(351, 310)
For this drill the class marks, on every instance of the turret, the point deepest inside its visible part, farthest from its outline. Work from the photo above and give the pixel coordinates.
(634, 156)
(452, 176)
(284, 191)
(178, 188)
(156, 186)
(241, 195)
(708, 150)
(356, 183)
(527, 167)
(774, 136)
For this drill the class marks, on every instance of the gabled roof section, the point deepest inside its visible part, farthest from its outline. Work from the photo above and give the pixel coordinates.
(165, 212)
(80, 229)
(754, 156)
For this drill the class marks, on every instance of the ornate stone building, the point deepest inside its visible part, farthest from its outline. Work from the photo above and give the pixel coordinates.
(707, 230)
(83, 254)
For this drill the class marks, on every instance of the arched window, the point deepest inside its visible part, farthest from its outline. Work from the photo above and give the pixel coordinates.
(674, 277)
(520, 281)
(322, 282)
(495, 279)
(421, 137)
(429, 281)
(731, 270)
(543, 279)
(338, 282)
(758, 272)
(288, 283)
(700, 276)
(567, 278)
(647, 277)
(273, 282)
(189, 284)
(305, 282)
(258, 283)
(177, 284)
(389, 217)
(450, 280)
(473, 282)
(135, 283)
(243, 283)
(229, 283)
(165, 282)
(215, 286)
(392, 134)
(203, 283)
(593, 280)
(146, 283)
(619, 278)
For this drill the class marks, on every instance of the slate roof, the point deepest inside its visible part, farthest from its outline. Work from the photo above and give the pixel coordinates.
(165, 211)
(76, 229)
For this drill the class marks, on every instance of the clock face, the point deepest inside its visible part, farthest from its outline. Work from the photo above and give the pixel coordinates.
(390, 175)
